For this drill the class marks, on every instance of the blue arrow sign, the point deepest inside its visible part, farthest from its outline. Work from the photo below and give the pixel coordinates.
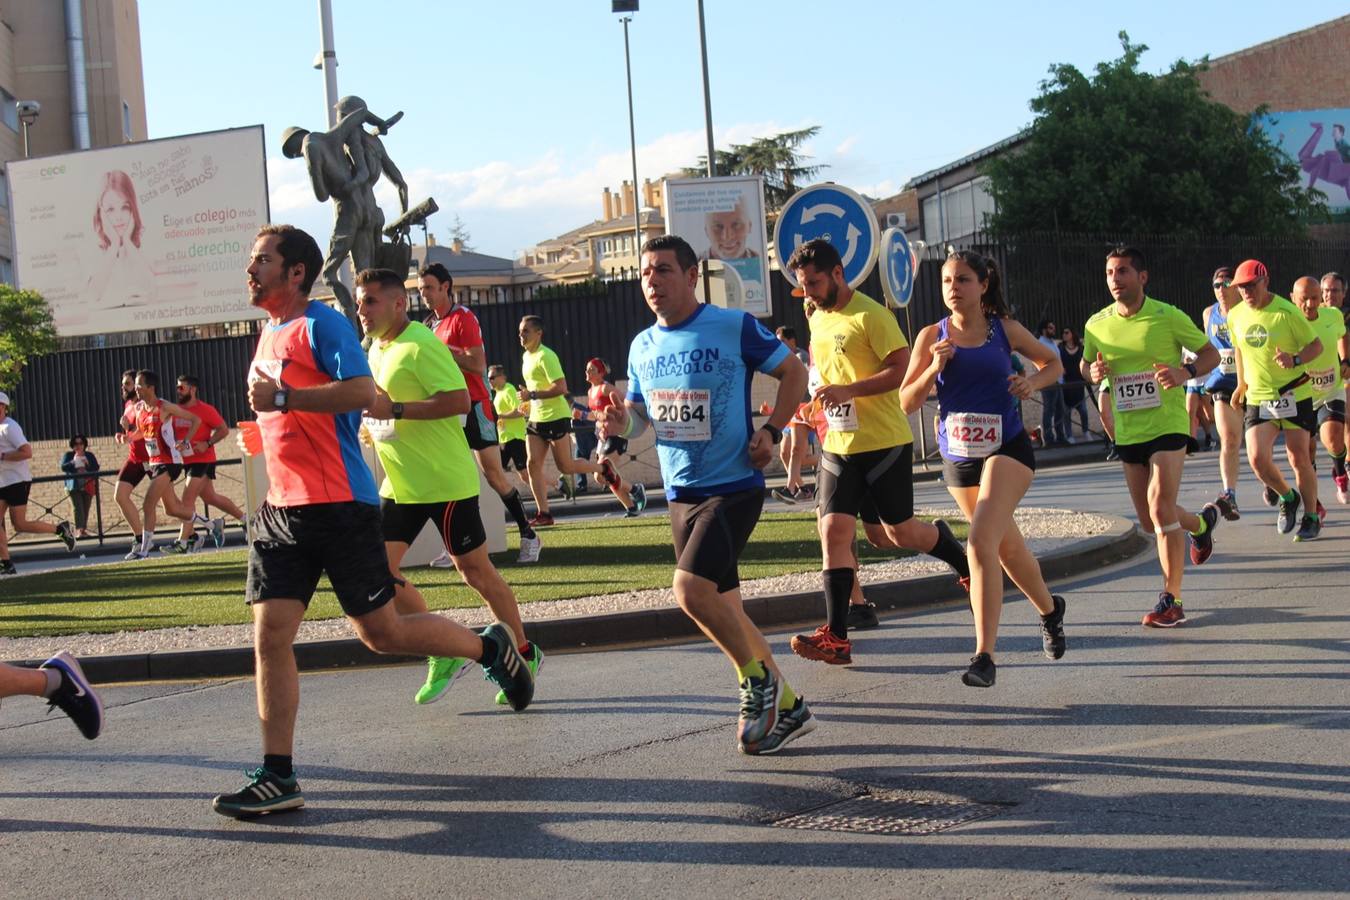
(897, 267)
(835, 214)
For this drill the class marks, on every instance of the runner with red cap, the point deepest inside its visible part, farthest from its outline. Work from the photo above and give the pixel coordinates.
(1137, 343)
(1275, 343)
(600, 396)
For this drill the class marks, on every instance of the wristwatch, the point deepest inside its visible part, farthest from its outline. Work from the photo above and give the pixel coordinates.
(1298, 360)
(398, 410)
(774, 433)
(1190, 367)
(281, 398)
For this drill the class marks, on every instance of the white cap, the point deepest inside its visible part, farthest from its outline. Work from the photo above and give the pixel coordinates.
(4, 398)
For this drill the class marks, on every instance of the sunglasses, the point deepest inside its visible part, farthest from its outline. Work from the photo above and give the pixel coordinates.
(1222, 284)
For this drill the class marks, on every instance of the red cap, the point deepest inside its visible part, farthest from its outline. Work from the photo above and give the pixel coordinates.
(1250, 270)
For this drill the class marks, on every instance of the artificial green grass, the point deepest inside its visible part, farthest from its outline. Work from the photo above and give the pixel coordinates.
(580, 560)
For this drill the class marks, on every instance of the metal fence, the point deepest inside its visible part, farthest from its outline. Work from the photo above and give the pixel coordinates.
(1049, 275)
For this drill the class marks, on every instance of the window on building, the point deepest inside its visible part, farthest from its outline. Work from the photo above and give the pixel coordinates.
(10, 111)
(126, 121)
(4, 190)
(6, 271)
(965, 210)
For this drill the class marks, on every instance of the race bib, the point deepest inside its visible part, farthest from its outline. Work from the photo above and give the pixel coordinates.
(152, 447)
(843, 417)
(1227, 365)
(974, 435)
(1283, 408)
(681, 415)
(381, 430)
(1136, 391)
(1323, 380)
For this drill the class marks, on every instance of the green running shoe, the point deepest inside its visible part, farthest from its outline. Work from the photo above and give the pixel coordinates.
(441, 673)
(532, 662)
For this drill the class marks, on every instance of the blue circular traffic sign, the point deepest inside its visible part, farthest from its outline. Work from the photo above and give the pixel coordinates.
(898, 267)
(836, 214)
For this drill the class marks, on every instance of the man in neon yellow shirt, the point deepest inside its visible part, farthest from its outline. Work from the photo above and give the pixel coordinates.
(511, 415)
(550, 427)
(1137, 343)
(430, 476)
(867, 462)
(1274, 343)
(1327, 379)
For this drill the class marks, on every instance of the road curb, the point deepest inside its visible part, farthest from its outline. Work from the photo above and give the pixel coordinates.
(1122, 541)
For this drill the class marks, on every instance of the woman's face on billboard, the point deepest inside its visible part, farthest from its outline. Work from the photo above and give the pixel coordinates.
(118, 218)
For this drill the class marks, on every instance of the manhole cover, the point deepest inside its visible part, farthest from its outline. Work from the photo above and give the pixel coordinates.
(890, 813)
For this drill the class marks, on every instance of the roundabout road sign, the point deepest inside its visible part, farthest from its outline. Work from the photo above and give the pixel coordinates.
(899, 266)
(838, 215)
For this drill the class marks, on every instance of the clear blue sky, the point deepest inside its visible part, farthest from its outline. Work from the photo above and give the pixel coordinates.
(516, 112)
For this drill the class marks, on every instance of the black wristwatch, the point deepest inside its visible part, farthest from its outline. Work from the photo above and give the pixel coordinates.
(774, 433)
(398, 410)
(281, 398)
(1190, 367)
(1298, 360)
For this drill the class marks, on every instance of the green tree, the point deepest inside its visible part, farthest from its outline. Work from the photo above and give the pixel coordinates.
(26, 331)
(460, 232)
(1128, 152)
(777, 158)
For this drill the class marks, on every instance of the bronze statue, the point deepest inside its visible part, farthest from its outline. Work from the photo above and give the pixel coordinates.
(344, 164)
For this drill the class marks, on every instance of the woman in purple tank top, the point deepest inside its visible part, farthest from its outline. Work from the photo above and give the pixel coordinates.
(988, 462)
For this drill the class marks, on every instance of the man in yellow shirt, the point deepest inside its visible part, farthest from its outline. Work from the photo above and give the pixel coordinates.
(1327, 379)
(1274, 343)
(867, 461)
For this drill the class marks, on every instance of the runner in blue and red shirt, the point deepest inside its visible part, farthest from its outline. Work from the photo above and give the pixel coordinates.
(309, 384)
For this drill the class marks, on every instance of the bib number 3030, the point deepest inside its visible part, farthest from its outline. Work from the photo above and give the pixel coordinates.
(681, 415)
(1135, 391)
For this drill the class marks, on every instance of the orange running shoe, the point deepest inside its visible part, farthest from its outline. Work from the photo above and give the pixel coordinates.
(823, 646)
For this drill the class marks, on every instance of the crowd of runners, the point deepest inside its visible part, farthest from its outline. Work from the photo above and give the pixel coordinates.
(436, 414)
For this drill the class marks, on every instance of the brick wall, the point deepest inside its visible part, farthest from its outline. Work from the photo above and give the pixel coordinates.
(1303, 70)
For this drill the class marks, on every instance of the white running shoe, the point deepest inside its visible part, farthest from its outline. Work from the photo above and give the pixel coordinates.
(218, 531)
(529, 549)
(443, 561)
(135, 551)
(198, 540)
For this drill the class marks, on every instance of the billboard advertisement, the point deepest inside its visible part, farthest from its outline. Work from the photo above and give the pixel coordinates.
(1316, 140)
(149, 235)
(723, 220)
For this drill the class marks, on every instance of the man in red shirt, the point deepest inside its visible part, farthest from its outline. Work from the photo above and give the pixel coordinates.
(133, 471)
(157, 423)
(457, 327)
(200, 463)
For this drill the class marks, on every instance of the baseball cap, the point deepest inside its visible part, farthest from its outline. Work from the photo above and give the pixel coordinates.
(4, 398)
(1250, 270)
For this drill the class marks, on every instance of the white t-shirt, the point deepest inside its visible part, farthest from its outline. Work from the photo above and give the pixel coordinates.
(11, 438)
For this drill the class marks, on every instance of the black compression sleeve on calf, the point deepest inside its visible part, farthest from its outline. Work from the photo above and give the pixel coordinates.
(949, 550)
(517, 510)
(838, 588)
(279, 765)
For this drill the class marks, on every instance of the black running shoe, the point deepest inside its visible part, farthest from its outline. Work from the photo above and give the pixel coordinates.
(265, 793)
(862, 615)
(1052, 630)
(981, 672)
(66, 532)
(508, 671)
(1287, 520)
(7, 568)
(1228, 508)
(1202, 545)
(75, 697)
(1309, 530)
(1271, 498)
(791, 724)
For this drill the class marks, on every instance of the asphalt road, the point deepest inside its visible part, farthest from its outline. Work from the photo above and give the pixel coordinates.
(1210, 759)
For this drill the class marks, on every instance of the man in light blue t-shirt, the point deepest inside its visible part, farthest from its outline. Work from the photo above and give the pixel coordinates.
(689, 378)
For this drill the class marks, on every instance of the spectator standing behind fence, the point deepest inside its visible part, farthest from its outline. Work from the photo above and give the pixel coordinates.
(15, 481)
(1075, 388)
(1054, 414)
(75, 462)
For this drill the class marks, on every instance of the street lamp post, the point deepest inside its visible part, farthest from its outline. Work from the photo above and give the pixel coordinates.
(28, 111)
(631, 6)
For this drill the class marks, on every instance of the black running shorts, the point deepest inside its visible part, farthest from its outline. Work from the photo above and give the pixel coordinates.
(514, 454)
(1140, 454)
(201, 470)
(133, 473)
(173, 470)
(967, 473)
(1304, 417)
(614, 446)
(1330, 411)
(711, 533)
(845, 483)
(15, 494)
(479, 429)
(294, 545)
(459, 522)
(555, 430)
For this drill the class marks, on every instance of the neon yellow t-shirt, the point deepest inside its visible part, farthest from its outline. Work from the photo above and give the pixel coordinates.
(1130, 345)
(504, 401)
(1257, 334)
(848, 345)
(425, 460)
(1325, 370)
(540, 368)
